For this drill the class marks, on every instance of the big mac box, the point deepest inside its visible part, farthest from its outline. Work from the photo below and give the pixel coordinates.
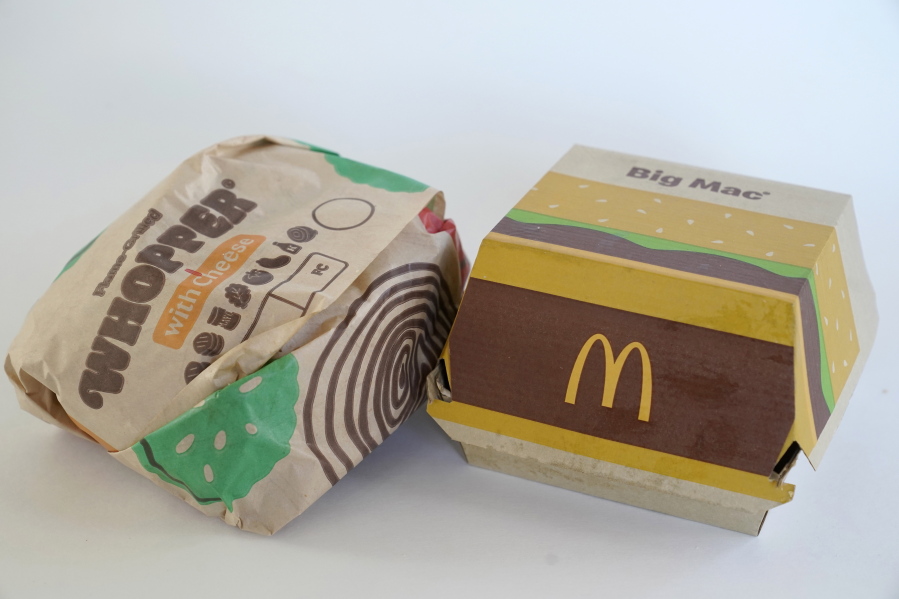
(661, 335)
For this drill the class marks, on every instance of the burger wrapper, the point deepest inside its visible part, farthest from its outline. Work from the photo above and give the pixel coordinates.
(251, 329)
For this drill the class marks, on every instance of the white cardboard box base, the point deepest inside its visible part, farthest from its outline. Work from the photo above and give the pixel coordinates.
(685, 499)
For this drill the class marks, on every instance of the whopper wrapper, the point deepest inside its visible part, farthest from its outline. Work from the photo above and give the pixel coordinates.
(251, 329)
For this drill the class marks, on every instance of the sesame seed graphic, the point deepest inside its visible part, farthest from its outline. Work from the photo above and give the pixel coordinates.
(250, 384)
(184, 444)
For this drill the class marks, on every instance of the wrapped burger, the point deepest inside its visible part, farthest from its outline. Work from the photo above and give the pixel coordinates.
(251, 329)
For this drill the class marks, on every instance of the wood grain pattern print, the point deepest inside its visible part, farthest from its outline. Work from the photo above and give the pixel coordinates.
(371, 375)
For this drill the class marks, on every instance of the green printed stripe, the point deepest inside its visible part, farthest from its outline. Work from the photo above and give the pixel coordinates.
(826, 384)
(365, 174)
(316, 148)
(655, 243)
(77, 255)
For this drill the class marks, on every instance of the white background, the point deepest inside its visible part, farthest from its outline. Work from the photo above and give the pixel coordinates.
(100, 100)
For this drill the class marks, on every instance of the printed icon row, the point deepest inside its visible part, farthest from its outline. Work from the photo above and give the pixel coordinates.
(210, 344)
(257, 276)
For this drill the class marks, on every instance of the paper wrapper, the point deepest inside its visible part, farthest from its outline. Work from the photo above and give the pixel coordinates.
(251, 329)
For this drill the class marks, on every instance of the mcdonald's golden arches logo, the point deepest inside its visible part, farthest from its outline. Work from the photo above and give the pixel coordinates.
(613, 372)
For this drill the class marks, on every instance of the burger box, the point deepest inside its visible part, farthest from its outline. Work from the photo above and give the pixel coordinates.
(660, 335)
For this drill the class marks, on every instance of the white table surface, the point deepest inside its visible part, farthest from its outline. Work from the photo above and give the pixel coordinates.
(100, 100)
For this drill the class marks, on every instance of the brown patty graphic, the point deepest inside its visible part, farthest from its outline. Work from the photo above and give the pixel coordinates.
(716, 397)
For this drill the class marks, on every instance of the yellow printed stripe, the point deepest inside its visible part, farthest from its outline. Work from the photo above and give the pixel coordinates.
(611, 451)
(835, 319)
(637, 287)
(702, 224)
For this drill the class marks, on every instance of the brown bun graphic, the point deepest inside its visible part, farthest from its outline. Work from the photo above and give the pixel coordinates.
(209, 344)
(193, 370)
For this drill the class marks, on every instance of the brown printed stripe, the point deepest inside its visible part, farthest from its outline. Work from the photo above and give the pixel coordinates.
(716, 397)
(812, 343)
(710, 265)
(403, 330)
